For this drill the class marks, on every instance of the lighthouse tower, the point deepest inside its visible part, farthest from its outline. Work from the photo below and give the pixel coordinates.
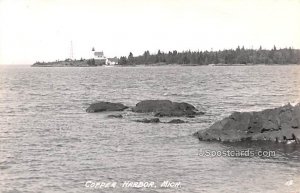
(92, 52)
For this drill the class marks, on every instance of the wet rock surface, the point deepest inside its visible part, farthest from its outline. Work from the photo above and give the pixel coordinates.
(105, 106)
(279, 125)
(176, 121)
(115, 116)
(153, 120)
(166, 108)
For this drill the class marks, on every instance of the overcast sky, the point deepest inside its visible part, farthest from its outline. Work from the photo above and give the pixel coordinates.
(35, 30)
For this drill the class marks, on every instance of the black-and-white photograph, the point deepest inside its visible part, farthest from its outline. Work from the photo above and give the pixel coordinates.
(152, 96)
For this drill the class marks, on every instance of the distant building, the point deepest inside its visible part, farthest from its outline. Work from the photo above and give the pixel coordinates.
(100, 59)
(99, 55)
(112, 61)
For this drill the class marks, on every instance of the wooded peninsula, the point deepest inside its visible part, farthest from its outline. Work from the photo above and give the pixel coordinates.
(227, 57)
(238, 56)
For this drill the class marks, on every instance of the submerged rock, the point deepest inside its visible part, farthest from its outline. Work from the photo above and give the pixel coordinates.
(176, 121)
(115, 116)
(153, 120)
(279, 125)
(167, 108)
(105, 106)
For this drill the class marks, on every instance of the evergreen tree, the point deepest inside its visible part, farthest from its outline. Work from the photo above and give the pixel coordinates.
(122, 60)
(232, 56)
(130, 59)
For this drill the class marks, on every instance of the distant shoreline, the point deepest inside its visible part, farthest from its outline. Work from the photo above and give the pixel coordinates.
(72, 65)
(231, 57)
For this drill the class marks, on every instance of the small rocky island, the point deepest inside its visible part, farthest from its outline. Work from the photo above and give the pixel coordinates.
(166, 108)
(278, 125)
(157, 108)
(105, 106)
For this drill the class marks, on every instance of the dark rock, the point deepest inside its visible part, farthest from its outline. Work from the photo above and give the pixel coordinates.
(278, 125)
(167, 108)
(154, 120)
(115, 116)
(176, 121)
(199, 113)
(191, 116)
(105, 106)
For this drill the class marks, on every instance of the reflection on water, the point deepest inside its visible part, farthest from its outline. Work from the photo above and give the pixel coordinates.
(49, 144)
(281, 151)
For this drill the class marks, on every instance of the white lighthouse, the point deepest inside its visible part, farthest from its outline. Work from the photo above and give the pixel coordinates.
(99, 57)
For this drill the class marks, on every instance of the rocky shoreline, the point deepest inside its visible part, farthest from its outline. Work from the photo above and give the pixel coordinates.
(66, 63)
(280, 124)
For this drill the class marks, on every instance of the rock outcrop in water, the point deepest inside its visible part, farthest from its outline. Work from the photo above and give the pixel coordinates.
(176, 121)
(105, 106)
(115, 116)
(153, 120)
(279, 125)
(167, 108)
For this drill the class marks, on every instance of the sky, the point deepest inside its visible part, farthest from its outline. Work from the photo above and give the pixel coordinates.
(35, 30)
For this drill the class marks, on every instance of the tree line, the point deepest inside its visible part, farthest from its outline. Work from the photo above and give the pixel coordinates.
(240, 55)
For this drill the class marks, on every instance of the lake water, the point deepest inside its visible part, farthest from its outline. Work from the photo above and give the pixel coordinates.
(48, 143)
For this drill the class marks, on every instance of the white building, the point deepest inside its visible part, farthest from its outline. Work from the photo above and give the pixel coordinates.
(112, 61)
(99, 55)
(101, 59)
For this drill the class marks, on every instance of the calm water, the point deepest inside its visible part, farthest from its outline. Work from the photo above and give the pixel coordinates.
(48, 143)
